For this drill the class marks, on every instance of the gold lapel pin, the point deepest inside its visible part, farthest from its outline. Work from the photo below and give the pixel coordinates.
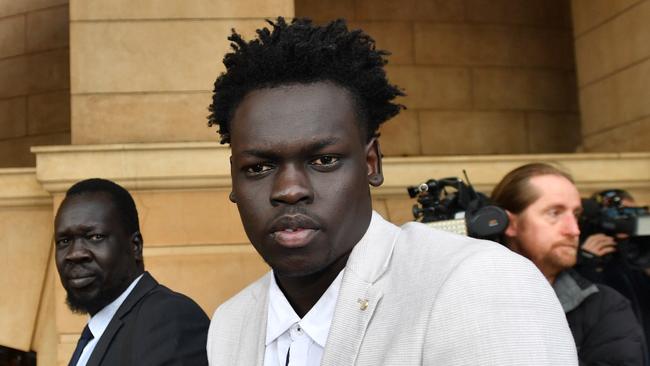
(363, 304)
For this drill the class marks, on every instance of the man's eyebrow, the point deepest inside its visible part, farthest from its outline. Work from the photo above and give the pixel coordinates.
(313, 146)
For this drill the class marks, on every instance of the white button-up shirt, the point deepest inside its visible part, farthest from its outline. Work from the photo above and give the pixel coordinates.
(304, 339)
(98, 323)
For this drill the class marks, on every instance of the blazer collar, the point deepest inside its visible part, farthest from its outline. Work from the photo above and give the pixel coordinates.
(144, 286)
(359, 297)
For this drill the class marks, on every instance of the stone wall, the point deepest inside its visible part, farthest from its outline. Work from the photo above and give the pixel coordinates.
(482, 76)
(612, 41)
(34, 78)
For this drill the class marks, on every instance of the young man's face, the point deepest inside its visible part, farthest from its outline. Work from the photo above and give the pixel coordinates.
(95, 255)
(300, 171)
(546, 232)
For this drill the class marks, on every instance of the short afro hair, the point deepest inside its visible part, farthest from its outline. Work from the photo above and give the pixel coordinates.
(303, 53)
(120, 197)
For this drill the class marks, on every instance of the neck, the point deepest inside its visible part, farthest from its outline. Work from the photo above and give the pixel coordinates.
(303, 292)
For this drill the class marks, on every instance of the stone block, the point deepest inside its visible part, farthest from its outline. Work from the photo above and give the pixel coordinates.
(510, 88)
(394, 37)
(470, 44)
(11, 7)
(49, 71)
(158, 117)
(150, 56)
(13, 121)
(25, 243)
(13, 77)
(12, 36)
(400, 210)
(48, 29)
(553, 132)
(546, 13)
(614, 45)
(48, 113)
(432, 87)
(628, 137)
(15, 152)
(591, 13)
(188, 218)
(438, 10)
(400, 135)
(179, 9)
(324, 11)
(622, 97)
(471, 133)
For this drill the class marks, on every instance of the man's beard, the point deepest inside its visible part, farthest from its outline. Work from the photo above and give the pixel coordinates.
(91, 305)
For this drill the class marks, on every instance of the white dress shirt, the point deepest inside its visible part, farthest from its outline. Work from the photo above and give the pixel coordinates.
(98, 323)
(304, 338)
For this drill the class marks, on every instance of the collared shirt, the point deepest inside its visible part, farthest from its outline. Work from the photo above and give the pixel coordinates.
(304, 339)
(98, 323)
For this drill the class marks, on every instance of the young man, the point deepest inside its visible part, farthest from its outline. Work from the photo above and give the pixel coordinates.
(543, 206)
(133, 319)
(300, 107)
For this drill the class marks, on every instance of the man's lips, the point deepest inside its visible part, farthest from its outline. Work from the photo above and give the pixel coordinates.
(80, 282)
(294, 238)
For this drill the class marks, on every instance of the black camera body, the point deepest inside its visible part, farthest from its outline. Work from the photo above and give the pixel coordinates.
(463, 211)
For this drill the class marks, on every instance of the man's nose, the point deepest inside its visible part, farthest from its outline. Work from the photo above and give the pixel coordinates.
(291, 186)
(571, 225)
(77, 251)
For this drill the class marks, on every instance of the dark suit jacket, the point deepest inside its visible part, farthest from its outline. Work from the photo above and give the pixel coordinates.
(154, 326)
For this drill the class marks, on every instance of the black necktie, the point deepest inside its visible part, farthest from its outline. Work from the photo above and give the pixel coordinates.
(86, 336)
(288, 352)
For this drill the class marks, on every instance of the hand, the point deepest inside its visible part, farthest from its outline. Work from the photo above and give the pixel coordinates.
(599, 245)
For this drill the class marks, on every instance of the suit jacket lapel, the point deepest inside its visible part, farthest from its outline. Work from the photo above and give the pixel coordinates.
(146, 284)
(359, 297)
(252, 340)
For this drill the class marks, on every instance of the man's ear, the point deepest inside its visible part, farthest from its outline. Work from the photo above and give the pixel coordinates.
(512, 229)
(373, 162)
(136, 242)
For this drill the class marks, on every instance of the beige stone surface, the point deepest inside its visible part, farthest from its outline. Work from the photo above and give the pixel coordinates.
(15, 152)
(432, 87)
(395, 37)
(621, 98)
(439, 10)
(174, 9)
(117, 118)
(13, 119)
(546, 13)
(614, 45)
(48, 113)
(379, 205)
(501, 88)
(19, 188)
(12, 36)
(47, 29)
(188, 217)
(181, 55)
(400, 209)
(494, 45)
(11, 7)
(13, 77)
(209, 277)
(45, 340)
(627, 137)
(324, 11)
(588, 14)
(400, 136)
(467, 133)
(25, 234)
(553, 132)
(48, 71)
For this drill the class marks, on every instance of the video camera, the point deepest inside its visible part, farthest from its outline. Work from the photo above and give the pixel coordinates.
(463, 210)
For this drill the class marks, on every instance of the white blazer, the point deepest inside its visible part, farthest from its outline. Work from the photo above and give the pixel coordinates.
(418, 296)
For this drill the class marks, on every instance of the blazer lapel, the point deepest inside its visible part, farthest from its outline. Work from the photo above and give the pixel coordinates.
(359, 296)
(252, 340)
(146, 284)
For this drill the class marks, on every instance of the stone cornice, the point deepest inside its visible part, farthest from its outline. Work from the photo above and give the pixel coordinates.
(19, 187)
(203, 165)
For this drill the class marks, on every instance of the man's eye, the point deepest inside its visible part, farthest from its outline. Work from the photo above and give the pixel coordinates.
(258, 169)
(62, 242)
(325, 160)
(96, 237)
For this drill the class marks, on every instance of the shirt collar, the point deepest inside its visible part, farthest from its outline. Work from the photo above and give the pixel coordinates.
(98, 322)
(316, 322)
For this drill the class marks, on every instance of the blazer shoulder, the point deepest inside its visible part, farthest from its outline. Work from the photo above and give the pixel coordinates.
(251, 296)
